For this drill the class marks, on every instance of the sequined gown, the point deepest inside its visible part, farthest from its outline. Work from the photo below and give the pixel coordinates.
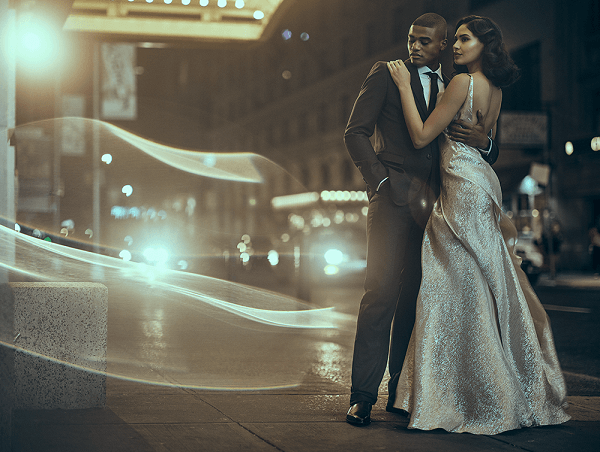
(481, 358)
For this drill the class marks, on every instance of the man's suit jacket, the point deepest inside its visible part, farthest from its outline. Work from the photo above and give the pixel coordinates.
(378, 111)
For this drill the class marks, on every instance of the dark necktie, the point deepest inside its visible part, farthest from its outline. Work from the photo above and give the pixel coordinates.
(433, 92)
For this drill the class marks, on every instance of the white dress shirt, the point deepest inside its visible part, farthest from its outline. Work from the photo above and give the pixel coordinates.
(426, 81)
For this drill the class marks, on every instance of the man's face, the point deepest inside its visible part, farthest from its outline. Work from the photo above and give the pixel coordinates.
(425, 46)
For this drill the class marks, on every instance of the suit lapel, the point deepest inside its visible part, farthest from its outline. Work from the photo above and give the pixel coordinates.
(417, 89)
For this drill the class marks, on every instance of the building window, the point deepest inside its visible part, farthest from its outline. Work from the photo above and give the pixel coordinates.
(525, 93)
(589, 33)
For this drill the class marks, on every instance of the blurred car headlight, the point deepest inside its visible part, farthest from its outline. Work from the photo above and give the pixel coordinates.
(273, 257)
(125, 255)
(334, 256)
(331, 270)
(156, 256)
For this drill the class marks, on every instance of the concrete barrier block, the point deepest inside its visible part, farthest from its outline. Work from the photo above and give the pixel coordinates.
(7, 360)
(64, 326)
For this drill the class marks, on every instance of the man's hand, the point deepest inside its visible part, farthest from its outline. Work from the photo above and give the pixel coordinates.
(471, 135)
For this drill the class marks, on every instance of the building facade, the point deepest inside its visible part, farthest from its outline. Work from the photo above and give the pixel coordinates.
(289, 98)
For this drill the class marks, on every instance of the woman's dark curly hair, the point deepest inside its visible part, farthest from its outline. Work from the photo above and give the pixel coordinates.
(497, 65)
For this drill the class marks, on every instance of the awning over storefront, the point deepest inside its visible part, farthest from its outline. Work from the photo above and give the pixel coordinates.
(183, 20)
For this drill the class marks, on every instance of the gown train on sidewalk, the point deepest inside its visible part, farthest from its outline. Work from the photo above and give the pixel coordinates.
(481, 357)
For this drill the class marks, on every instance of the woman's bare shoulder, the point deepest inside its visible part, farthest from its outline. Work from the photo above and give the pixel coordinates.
(460, 80)
(458, 86)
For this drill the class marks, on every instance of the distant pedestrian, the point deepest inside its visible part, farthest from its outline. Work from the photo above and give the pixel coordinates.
(552, 242)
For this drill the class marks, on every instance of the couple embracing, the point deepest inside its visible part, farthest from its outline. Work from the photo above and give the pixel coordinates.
(446, 303)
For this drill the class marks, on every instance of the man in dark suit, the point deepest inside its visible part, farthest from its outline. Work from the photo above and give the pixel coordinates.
(402, 185)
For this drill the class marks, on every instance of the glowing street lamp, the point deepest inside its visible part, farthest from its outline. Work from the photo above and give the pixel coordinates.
(568, 148)
(37, 43)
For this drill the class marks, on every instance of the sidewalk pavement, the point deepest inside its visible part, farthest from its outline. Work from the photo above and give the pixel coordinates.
(308, 417)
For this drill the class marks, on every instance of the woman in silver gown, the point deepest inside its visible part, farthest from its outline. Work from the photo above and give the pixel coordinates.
(481, 357)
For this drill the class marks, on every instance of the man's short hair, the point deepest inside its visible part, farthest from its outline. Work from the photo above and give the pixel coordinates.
(433, 20)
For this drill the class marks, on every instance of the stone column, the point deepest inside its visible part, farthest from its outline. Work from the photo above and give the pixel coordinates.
(7, 124)
(7, 212)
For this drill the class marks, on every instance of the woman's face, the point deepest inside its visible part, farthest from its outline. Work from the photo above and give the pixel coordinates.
(467, 48)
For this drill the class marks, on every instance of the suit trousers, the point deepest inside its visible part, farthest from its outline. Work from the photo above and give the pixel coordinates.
(393, 278)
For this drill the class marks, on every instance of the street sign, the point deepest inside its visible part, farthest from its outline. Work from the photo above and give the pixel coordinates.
(523, 129)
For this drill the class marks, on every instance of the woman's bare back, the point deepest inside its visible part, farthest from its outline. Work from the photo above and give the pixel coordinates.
(487, 98)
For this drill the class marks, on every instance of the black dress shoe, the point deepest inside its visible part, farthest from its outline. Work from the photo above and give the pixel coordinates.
(359, 414)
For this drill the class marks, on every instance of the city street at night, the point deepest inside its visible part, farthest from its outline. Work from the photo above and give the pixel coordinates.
(310, 416)
(192, 193)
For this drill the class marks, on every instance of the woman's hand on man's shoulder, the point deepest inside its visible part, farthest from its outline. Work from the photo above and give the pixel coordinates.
(399, 73)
